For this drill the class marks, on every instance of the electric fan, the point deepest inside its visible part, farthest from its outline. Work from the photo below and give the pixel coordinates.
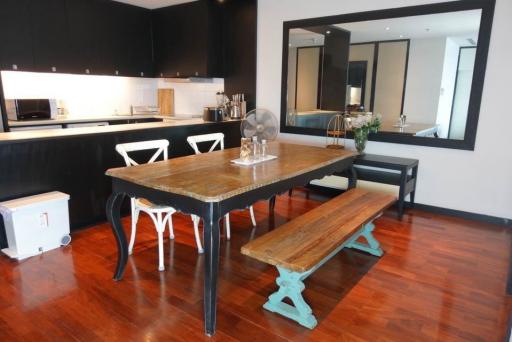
(260, 123)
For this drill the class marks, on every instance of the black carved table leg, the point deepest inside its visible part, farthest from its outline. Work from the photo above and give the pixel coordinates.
(352, 178)
(211, 252)
(272, 205)
(114, 217)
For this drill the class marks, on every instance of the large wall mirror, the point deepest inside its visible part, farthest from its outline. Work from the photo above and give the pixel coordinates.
(422, 64)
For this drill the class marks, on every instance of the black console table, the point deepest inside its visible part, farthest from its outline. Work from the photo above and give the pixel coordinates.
(386, 173)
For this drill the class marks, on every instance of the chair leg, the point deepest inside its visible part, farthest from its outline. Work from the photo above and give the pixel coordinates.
(160, 231)
(171, 228)
(227, 227)
(195, 219)
(253, 219)
(135, 218)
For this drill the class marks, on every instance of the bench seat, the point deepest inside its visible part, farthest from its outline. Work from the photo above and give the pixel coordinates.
(301, 246)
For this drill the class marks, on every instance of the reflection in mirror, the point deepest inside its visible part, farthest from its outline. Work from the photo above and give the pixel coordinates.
(420, 67)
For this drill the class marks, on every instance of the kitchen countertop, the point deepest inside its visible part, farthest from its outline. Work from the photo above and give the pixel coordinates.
(60, 120)
(416, 129)
(68, 132)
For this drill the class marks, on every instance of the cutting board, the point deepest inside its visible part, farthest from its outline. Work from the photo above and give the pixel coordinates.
(166, 101)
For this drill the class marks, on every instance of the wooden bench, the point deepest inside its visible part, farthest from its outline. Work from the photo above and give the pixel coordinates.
(299, 247)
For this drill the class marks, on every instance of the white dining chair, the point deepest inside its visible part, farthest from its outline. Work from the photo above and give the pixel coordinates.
(160, 215)
(216, 139)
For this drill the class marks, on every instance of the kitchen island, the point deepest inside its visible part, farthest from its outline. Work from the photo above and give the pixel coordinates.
(74, 161)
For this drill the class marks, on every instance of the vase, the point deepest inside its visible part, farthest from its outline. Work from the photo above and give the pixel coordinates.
(360, 139)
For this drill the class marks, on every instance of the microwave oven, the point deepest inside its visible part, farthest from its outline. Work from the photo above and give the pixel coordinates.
(31, 109)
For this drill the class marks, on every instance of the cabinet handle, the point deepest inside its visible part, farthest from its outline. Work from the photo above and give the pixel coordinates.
(54, 69)
(87, 71)
(141, 74)
(161, 74)
(117, 72)
(197, 74)
(14, 67)
(178, 73)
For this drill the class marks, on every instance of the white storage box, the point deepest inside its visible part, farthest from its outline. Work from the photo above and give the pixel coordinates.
(35, 224)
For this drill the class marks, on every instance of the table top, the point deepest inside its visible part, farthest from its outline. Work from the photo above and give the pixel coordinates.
(389, 162)
(211, 177)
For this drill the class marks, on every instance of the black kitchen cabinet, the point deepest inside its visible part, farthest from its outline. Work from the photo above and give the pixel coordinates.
(240, 18)
(133, 51)
(15, 35)
(50, 36)
(123, 37)
(205, 38)
(100, 37)
(108, 38)
(82, 43)
(188, 40)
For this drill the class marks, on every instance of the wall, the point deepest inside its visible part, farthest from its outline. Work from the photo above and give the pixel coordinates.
(89, 96)
(389, 85)
(462, 92)
(191, 97)
(308, 64)
(292, 74)
(453, 179)
(424, 74)
(444, 109)
(82, 95)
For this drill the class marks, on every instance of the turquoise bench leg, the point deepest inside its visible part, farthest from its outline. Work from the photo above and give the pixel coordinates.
(291, 286)
(291, 283)
(373, 246)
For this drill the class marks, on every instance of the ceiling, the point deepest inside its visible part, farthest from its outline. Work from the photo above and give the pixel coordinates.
(152, 4)
(463, 24)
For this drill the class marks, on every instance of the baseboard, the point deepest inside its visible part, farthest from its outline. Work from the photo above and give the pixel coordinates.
(328, 191)
(464, 214)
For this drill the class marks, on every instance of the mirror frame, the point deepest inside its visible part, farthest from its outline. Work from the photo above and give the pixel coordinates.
(484, 35)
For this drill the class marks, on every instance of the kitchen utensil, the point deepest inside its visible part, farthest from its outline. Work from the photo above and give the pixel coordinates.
(213, 114)
(235, 111)
(149, 110)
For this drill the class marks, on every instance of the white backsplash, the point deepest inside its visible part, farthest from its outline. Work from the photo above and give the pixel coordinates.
(82, 95)
(190, 97)
(89, 96)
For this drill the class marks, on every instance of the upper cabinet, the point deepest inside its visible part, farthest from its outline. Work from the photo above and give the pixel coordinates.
(188, 40)
(50, 36)
(123, 39)
(205, 38)
(15, 35)
(99, 37)
(82, 44)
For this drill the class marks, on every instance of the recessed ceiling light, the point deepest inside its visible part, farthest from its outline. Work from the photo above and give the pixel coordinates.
(328, 32)
(290, 45)
(387, 29)
(401, 36)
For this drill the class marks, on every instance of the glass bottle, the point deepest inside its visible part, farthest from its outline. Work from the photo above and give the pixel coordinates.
(256, 154)
(263, 149)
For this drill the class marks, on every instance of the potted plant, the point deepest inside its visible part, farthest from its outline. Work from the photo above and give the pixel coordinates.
(362, 125)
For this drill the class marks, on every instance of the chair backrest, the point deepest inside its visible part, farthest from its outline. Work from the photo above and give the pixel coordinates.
(216, 138)
(160, 146)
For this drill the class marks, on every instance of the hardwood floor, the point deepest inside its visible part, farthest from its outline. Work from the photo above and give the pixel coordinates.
(440, 278)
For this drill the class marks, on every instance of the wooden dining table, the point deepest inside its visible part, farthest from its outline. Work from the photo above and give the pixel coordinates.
(209, 186)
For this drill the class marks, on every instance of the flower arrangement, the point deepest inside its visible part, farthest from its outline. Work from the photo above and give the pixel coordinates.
(362, 125)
